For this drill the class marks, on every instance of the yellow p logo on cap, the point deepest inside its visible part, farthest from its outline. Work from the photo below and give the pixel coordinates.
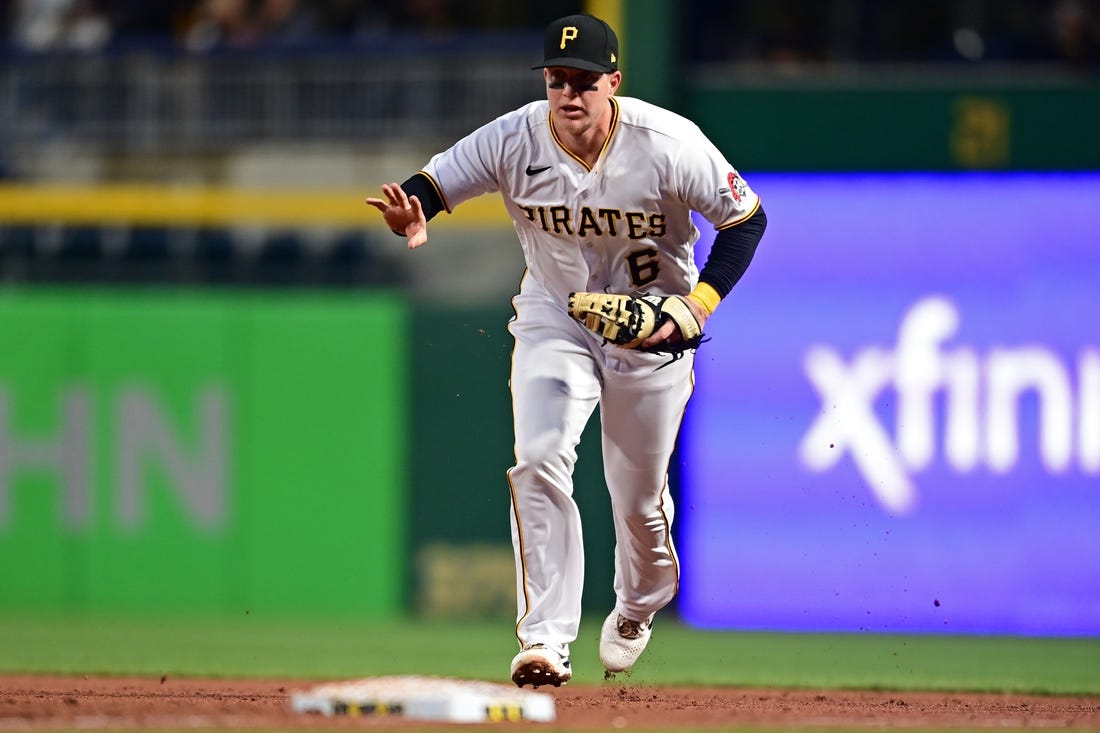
(568, 33)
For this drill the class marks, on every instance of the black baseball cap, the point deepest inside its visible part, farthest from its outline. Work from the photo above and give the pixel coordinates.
(581, 42)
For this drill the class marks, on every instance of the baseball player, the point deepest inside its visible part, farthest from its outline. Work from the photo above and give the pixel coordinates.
(600, 190)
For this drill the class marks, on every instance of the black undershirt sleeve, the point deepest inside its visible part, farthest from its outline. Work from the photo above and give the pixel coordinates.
(732, 252)
(420, 185)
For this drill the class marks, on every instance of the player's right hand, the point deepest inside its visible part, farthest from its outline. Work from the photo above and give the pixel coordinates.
(669, 331)
(402, 214)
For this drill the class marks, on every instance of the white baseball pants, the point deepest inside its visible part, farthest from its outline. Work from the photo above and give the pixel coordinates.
(560, 372)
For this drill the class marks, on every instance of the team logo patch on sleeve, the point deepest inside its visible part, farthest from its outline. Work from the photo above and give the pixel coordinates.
(737, 185)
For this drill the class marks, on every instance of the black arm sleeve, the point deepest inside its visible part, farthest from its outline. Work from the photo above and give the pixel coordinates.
(732, 252)
(421, 186)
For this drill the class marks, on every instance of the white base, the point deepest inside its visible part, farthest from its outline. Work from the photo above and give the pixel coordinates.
(426, 698)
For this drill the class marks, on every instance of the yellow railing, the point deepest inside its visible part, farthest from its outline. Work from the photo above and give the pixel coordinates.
(138, 205)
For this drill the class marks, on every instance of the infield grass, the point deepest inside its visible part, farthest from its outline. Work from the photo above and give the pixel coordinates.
(249, 646)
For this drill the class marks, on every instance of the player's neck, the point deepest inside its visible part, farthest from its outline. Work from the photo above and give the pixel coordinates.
(587, 144)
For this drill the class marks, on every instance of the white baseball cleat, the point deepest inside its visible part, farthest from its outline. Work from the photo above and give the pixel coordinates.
(539, 665)
(622, 641)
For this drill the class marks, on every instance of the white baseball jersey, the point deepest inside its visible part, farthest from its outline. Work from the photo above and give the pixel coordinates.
(623, 225)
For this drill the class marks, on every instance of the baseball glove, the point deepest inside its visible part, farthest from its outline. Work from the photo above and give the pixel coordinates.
(628, 320)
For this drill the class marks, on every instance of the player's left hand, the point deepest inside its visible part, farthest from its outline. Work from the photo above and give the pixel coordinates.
(403, 214)
(669, 332)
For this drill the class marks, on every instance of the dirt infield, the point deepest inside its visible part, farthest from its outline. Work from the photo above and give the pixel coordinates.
(52, 702)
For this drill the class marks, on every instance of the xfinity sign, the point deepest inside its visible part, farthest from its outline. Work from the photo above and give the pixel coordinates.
(896, 422)
(981, 395)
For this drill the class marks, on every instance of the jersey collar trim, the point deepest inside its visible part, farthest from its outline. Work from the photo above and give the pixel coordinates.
(606, 143)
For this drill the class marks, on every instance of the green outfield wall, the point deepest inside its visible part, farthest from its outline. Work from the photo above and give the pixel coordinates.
(250, 453)
(937, 125)
(202, 452)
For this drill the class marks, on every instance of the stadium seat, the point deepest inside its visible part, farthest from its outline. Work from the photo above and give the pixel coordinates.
(215, 256)
(148, 245)
(17, 241)
(81, 244)
(17, 250)
(352, 261)
(282, 260)
(148, 255)
(80, 256)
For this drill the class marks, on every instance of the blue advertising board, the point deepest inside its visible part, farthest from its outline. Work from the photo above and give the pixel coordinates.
(896, 423)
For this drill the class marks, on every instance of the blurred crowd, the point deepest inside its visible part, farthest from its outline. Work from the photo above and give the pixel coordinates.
(774, 31)
(202, 25)
(1065, 32)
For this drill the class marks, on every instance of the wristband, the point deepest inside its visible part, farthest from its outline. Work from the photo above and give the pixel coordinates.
(706, 296)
